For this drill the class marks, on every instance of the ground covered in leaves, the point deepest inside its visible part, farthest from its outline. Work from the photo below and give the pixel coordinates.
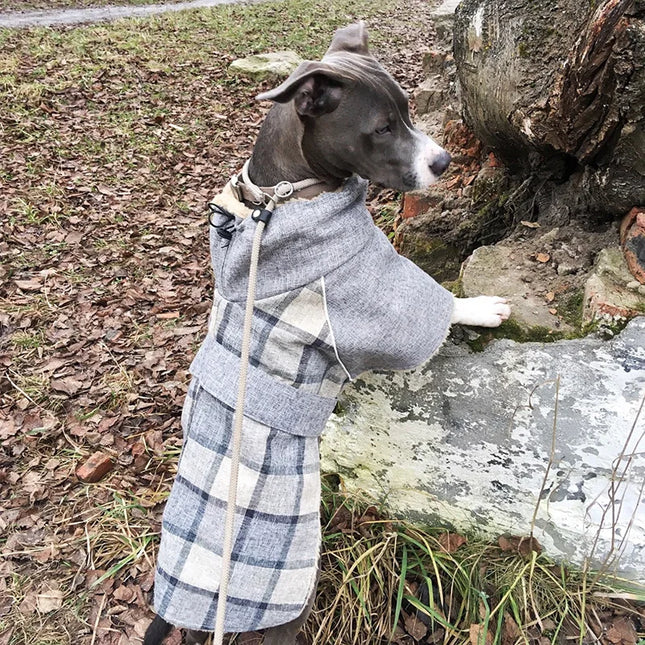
(112, 138)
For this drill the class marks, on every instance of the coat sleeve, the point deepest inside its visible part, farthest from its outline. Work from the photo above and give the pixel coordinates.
(385, 312)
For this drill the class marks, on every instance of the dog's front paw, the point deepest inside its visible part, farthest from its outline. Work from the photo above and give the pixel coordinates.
(482, 311)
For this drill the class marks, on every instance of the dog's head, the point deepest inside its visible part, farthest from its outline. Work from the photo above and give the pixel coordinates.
(356, 118)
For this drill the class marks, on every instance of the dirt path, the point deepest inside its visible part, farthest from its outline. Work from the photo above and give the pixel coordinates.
(46, 18)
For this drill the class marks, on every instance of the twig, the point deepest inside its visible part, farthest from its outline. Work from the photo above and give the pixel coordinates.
(17, 387)
(122, 369)
(628, 463)
(551, 455)
(98, 617)
(623, 542)
(45, 291)
(610, 558)
(69, 441)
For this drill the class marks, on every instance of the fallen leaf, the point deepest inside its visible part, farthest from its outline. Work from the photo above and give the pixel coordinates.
(622, 632)
(553, 311)
(138, 449)
(29, 603)
(49, 601)
(34, 284)
(542, 257)
(479, 635)
(341, 520)
(140, 626)
(450, 542)
(5, 636)
(510, 631)
(550, 296)
(8, 428)
(66, 385)
(124, 594)
(52, 365)
(522, 545)
(529, 224)
(186, 331)
(74, 237)
(415, 627)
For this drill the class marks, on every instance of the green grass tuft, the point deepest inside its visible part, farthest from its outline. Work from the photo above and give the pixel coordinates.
(379, 572)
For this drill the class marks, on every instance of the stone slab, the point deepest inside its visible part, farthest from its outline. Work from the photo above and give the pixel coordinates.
(271, 65)
(446, 8)
(465, 440)
(498, 271)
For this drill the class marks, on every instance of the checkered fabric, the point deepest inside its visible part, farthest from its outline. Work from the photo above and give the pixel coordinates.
(333, 300)
(277, 520)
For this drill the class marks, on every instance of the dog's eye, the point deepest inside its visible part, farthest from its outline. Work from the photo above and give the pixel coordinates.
(384, 130)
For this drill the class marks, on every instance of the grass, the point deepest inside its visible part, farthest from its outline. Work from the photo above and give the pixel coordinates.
(108, 532)
(376, 570)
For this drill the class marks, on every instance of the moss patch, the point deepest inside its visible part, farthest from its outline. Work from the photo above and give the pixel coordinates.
(570, 308)
(434, 256)
(514, 331)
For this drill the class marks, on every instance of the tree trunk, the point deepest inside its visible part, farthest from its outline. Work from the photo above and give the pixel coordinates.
(557, 88)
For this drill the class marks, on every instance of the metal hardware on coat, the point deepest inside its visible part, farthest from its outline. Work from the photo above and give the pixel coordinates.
(234, 183)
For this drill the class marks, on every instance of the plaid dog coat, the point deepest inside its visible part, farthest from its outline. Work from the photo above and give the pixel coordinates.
(334, 299)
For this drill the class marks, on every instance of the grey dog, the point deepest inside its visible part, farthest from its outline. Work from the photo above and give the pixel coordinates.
(334, 299)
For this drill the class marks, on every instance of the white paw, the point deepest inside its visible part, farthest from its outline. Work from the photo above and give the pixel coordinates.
(482, 311)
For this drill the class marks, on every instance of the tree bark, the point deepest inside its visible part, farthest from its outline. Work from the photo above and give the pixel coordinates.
(557, 88)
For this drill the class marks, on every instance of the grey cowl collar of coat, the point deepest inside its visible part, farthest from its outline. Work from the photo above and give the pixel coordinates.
(304, 240)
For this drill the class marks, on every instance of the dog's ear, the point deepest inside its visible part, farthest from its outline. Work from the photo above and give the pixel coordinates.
(314, 88)
(318, 95)
(350, 39)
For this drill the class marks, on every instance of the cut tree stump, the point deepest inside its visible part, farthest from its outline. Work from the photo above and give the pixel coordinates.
(557, 89)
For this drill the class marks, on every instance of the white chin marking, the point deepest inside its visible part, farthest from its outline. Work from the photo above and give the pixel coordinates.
(426, 152)
(424, 177)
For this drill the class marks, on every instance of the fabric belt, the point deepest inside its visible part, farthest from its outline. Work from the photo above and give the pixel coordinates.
(268, 400)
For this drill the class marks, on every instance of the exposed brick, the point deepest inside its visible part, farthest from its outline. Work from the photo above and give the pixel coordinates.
(95, 468)
(458, 137)
(607, 295)
(493, 161)
(418, 202)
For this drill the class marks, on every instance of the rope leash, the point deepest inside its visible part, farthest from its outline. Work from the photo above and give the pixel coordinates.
(227, 547)
(261, 215)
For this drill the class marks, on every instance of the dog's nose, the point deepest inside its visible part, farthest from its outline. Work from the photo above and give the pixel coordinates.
(439, 165)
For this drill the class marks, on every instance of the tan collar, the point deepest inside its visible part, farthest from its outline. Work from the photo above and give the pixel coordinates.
(246, 191)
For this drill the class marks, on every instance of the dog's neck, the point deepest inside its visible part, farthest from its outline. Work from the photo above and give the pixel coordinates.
(278, 155)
